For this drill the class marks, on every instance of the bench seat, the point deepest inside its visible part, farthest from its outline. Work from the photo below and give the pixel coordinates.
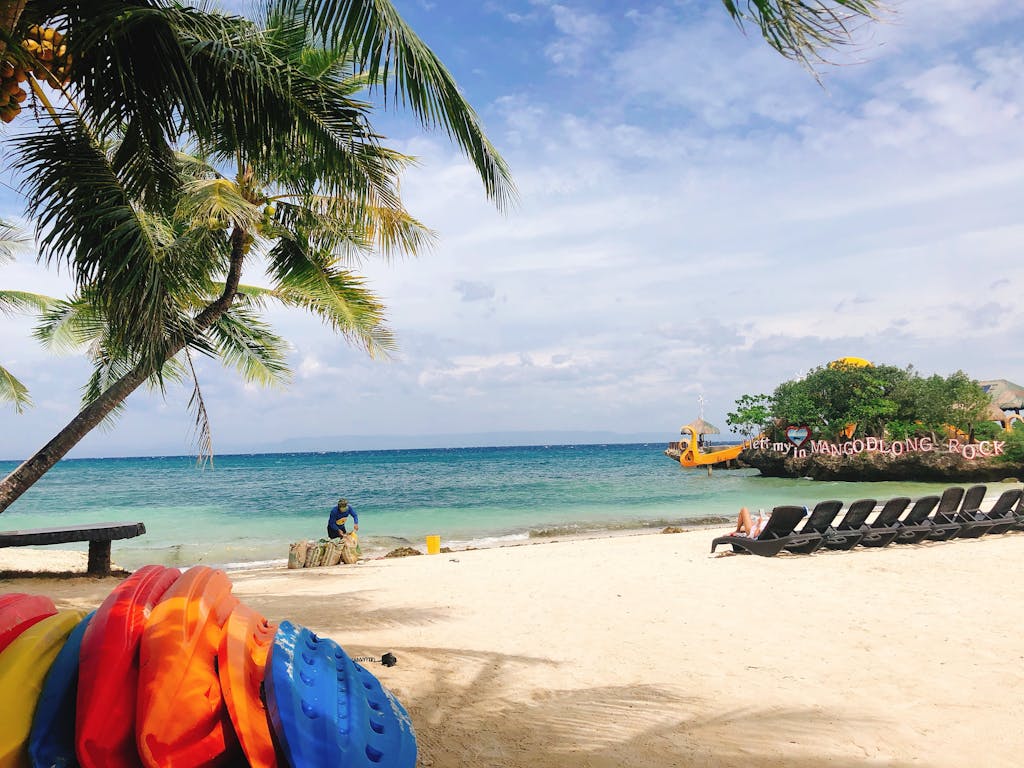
(99, 536)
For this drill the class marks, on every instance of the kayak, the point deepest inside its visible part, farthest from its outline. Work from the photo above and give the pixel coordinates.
(51, 741)
(326, 710)
(181, 720)
(19, 611)
(109, 670)
(23, 667)
(241, 662)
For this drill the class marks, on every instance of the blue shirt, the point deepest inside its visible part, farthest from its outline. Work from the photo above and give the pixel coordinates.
(337, 518)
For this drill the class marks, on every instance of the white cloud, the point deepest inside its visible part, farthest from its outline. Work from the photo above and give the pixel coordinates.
(579, 32)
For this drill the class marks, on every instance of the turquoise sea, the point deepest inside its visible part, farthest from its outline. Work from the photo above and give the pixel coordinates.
(247, 509)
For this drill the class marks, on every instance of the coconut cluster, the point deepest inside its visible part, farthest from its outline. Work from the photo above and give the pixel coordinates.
(48, 61)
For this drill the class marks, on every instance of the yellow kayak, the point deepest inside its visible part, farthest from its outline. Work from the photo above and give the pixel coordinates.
(23, 667)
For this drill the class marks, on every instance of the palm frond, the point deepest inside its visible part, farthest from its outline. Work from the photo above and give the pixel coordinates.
(12, 240)
(13, 391)
(135, 261)
(804, 29)
(203, 433)
(338, 297)
(132, 73)
(387, 49)
(218, 201)
(246, 343)
(22, 301)
(340, 226)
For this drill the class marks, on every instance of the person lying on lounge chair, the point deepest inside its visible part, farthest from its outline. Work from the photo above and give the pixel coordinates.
(747, 526)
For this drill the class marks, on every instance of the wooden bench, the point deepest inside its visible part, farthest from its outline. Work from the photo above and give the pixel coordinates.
(99, 536)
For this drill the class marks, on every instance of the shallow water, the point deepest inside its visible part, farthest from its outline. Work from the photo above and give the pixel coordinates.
(248, 508)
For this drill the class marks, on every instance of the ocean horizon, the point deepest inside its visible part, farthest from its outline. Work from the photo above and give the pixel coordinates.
(247, 508)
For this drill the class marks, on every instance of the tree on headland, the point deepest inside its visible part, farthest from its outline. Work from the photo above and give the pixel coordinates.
(878, 401)
(753, 415)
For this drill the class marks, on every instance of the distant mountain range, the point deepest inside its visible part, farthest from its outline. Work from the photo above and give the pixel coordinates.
(455, 440)
(106, 449)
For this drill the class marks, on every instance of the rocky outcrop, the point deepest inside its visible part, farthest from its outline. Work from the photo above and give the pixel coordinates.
(869, 467)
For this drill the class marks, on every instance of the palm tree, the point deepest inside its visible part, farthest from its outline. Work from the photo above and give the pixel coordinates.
(306, 230)
(12, 390)
(160, 266)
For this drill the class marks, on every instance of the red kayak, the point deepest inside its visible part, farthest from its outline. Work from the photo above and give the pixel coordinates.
(109, 670)
(181, 720)
(19, 611)
(242, 661)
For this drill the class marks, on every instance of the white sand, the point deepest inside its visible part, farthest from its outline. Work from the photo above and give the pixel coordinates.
(38, 560)
(646, 651)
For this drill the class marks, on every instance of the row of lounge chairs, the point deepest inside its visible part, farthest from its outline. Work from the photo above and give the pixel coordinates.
(954, 514)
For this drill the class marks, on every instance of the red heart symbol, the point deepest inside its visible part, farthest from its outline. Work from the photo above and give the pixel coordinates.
(798, 435)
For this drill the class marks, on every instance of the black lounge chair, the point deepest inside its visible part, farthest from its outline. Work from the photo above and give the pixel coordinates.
(1018, 517)
(970, 509)
(882, 531)
(996, 520)
(817, 525)
(915, 527)
(849, 532)
(944, 522)
(777, 533)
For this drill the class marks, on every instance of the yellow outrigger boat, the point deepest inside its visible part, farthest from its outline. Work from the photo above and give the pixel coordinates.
(691, 455)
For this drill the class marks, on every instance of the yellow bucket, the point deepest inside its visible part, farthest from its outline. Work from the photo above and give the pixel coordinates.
(433, 545)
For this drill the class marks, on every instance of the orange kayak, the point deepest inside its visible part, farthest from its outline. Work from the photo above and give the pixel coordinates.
(242, 661)
(19, 611)
(181, 720)
(108, 672)
(23, 667)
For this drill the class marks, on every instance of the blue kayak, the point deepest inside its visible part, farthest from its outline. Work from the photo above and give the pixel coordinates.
(51, 742)
(326, 710)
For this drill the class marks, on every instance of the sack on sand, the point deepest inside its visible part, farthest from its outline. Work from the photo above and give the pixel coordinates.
(297, 554)
(349, 549)
(310, 555)
(334, 552)
(323, 547)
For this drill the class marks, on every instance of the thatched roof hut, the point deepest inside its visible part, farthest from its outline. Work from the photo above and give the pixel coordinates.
(701, 427)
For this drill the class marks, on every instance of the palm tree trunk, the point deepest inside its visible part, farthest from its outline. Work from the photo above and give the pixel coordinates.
(25, 476)
(22, 478)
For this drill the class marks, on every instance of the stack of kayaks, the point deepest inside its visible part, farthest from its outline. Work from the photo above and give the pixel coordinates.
(172, 671)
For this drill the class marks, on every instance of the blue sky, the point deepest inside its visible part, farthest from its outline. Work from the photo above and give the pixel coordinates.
(696, 216)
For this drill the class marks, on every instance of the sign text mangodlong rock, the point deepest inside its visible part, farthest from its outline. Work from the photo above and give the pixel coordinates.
(985, 448)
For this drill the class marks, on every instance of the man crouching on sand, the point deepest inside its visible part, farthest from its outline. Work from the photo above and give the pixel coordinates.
(339, 515)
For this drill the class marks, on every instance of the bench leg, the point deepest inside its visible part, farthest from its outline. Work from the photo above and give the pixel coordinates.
(99, 558)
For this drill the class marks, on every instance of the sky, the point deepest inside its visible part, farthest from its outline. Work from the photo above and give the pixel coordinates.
(697, 218)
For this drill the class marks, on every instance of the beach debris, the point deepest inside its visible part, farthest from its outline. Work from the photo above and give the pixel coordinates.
(403, 552)
(673, 529)
(388, 659)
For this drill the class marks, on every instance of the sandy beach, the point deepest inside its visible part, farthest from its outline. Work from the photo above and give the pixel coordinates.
(647, 651)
